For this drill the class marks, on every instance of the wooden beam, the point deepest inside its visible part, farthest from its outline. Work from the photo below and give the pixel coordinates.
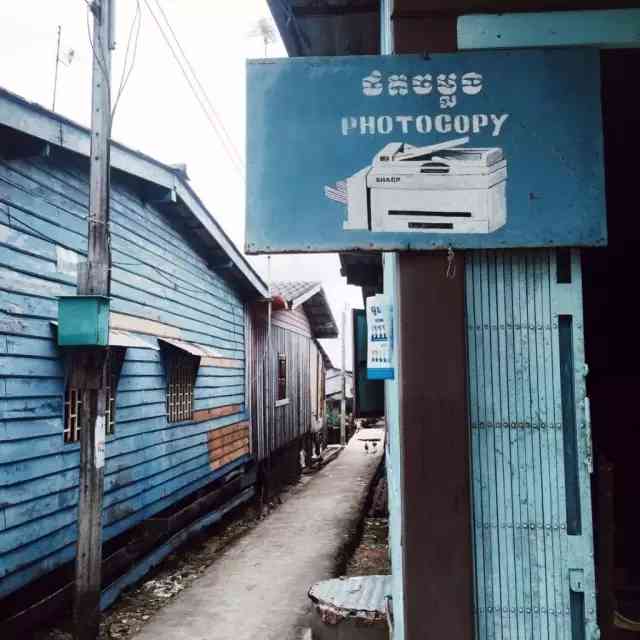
(438, 569)
(142, 325)
(618, 28)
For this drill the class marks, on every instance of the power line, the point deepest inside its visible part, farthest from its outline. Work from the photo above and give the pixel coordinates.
(136, 24)
(233, 157)
(202, 89)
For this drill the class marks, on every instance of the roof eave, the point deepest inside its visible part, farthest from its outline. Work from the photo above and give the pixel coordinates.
(36, 121)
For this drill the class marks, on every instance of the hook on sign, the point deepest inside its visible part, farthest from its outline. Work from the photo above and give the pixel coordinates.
(451, 264)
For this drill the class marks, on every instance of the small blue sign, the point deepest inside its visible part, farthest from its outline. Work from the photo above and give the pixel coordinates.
(488, 149)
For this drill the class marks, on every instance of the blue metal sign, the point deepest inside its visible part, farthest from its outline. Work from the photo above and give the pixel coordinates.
(483, 149)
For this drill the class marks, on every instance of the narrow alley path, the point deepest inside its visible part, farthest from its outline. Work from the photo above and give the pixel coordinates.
(257, 590)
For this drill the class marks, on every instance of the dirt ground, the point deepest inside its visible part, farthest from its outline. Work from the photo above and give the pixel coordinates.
(371, 556)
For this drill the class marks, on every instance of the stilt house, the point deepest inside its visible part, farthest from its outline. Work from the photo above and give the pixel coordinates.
(178, 449)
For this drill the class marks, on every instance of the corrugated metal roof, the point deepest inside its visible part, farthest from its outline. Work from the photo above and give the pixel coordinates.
(364, 595)
(312, 297)
(291, 290)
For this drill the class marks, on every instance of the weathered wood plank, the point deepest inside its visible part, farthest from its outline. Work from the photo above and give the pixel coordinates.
(221, 462)
(223, 363)
(216, 412)
(162, 286)
(222, 450)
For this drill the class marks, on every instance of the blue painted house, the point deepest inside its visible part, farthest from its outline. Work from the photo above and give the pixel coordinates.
(179, 415)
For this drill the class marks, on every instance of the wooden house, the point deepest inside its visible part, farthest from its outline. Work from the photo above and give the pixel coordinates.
(179, 415)
(288, 402)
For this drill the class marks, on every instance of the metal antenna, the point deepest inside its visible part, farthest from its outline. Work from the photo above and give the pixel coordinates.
(264, 29)
(55, 78)
(66, 60)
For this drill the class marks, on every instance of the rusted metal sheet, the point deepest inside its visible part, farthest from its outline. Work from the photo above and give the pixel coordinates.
(352, 608)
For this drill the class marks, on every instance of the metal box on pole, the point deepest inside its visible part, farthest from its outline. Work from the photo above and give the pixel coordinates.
(83, 321)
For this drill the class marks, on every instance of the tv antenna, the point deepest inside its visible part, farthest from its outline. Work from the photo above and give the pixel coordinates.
(264, 29)
(66, 59)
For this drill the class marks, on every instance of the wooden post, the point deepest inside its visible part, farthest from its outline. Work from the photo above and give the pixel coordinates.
(88, 371)
(436, 502)
(434, 446)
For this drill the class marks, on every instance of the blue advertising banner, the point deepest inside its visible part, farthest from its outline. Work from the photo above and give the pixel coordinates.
(483, 149)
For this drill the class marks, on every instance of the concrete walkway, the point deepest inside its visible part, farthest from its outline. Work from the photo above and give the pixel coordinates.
(257, 590)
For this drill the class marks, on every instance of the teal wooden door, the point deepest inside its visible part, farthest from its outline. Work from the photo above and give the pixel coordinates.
(530, 447)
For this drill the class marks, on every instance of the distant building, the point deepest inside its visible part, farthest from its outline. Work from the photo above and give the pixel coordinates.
(295, 401)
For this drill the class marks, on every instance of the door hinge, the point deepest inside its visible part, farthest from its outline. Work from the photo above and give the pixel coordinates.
(576, 580)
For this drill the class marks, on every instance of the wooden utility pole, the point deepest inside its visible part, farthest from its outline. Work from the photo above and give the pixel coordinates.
(343, 401)
(89, 370)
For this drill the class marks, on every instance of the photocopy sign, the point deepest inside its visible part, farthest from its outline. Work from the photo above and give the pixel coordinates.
(465, 150)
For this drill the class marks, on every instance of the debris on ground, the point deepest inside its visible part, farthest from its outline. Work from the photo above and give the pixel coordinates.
(371, 556)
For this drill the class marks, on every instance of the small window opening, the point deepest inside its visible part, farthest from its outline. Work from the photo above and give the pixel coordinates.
(563, 266)
(73, 400)
(282, 376)
(182, 369)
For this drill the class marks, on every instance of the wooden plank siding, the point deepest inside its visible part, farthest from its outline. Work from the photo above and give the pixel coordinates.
(275, 427)
(293, 320)
(228, 444)
(161, 285)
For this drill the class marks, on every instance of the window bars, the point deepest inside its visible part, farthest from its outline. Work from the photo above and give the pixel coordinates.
(282, 376)
(73, 406)
(181, 377)
(73, 400)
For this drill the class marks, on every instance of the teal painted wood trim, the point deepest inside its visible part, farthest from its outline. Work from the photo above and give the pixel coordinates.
(523, 551)
(393, 456)
(619, 28)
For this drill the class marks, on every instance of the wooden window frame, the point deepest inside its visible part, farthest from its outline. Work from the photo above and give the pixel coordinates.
(181, 372)
(71, 431)
(282, 386)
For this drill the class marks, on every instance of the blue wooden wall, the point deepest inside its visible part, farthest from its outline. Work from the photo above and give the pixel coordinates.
(157, 278)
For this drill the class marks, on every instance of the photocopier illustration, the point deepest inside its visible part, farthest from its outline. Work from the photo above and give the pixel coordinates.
(440, 188)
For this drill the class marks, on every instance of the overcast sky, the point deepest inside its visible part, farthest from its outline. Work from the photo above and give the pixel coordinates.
(157, 113)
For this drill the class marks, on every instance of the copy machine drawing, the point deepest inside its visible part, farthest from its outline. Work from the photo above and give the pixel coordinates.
(440, 188)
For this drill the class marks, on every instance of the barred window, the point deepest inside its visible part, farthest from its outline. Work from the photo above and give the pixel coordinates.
(73, 400)
(282, 376)
(182, 369)
(72, 406)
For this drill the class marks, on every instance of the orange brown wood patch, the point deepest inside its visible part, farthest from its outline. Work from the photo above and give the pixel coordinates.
(228, 444)
(216, 412)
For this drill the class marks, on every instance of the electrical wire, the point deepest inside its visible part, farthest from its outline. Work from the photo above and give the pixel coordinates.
(236, 164)
(228, 137)
(136, 24)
